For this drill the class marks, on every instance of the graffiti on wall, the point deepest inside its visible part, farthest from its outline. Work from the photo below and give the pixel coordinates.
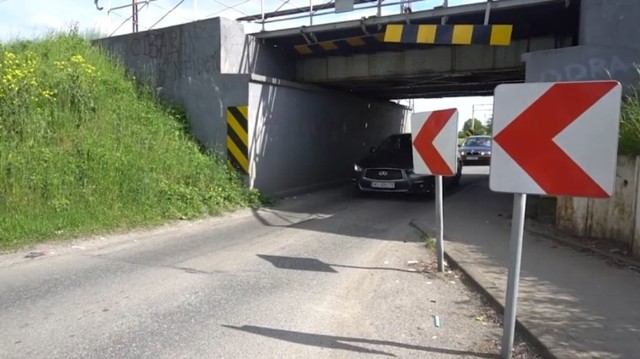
(156, 45)
(593, 68)
(188, 67)
(170, 54)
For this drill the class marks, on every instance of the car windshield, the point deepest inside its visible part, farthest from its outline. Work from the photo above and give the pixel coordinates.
(477, 142)
(396, 144)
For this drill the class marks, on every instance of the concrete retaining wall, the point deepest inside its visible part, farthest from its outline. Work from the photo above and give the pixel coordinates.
(581, 63)
(608, 47)
(300, 137)
(183, 64)
(243, 54)
(303, 137)
(203, 65)
(616, 218)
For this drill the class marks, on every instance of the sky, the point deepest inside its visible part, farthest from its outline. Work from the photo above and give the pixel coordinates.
(34, 18)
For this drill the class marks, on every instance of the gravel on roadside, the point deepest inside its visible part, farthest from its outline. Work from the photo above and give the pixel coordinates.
(486, 312)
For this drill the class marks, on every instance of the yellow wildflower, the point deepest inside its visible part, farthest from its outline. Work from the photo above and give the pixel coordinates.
(60, 64)
(77, 59)
(47, 93)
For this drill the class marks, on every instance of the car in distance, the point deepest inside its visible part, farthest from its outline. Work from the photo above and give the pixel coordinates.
(389, 168)
(476, 150)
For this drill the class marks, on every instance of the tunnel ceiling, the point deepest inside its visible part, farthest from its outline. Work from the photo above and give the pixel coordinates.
(431, 86)
(530, 19)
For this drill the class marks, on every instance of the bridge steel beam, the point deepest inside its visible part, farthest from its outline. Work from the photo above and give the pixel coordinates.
(384, 20)
(437, 60)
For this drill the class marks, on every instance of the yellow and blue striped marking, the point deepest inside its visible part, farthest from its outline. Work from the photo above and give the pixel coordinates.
(238, 138)
(494, 35)
(338, 45)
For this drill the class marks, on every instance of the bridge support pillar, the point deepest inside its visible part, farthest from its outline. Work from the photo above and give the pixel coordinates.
(607, 47)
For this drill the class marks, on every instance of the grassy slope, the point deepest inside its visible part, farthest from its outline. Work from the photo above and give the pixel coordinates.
(630, 126)
(83, 150)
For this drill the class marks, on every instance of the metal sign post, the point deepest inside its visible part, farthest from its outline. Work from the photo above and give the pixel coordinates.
(440, 223)
(515, 256)
(435, 152)
(541, 145)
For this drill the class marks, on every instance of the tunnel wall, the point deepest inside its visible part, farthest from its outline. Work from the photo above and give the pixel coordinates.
(304, 137)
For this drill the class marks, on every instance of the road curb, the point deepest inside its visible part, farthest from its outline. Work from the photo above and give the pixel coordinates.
(493, 301)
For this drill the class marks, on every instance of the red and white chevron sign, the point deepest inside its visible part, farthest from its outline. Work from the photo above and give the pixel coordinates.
(435, 144)
(556, 138)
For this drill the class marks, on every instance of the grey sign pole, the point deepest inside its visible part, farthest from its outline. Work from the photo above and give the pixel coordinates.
(440, 222)
(262, 13)
(515, 256)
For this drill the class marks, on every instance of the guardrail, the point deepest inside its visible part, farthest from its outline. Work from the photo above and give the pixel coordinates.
(362, 7)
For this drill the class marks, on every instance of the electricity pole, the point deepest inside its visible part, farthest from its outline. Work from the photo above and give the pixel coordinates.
(134, 16)
(473, 113)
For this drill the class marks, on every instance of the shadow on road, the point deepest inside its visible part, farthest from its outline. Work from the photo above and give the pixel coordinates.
(571, 301)
(316, 265)
(307, 264)
(343, 343)
(339, 211)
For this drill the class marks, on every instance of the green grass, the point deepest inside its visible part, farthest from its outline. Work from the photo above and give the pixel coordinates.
(429, 242)
(629, 143)
(83, 150)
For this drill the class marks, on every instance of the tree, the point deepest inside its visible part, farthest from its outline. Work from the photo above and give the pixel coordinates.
(479, 128)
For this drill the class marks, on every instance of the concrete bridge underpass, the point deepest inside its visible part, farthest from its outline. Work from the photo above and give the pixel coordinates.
(294, 108)
(353, 56)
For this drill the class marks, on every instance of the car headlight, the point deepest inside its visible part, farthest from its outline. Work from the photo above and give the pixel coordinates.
(461, 153)
(482, 153)
(357, 168)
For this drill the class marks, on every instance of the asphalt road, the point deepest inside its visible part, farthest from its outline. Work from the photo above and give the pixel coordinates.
(320, 276)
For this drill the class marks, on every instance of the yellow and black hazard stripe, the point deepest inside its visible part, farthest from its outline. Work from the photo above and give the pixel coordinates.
(238, 138)
(494, 35)
(339, 44)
